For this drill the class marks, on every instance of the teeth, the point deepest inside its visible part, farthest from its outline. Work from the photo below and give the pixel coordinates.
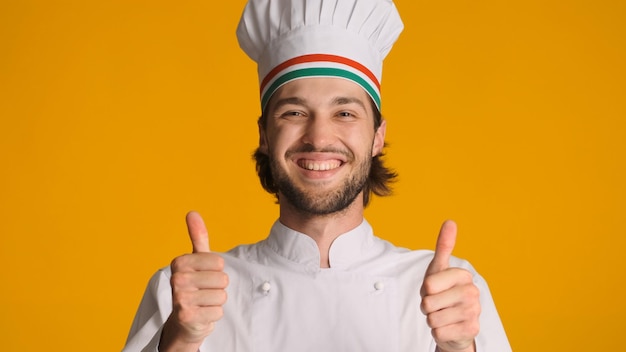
(320, 166)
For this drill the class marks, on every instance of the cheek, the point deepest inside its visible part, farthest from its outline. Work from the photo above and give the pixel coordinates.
(361, 142)
(281, 140)
(276, 147)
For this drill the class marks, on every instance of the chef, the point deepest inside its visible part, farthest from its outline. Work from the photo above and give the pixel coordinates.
(321, 280)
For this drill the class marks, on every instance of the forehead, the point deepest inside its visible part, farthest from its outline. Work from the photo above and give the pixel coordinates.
(322, 91)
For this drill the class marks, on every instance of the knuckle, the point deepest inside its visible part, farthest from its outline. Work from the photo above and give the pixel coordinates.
(463, 275)
(178, 263)
(423, 308)
(217, 313)
(471, 292)
(178, 280)
(179, 300)
(467, 276)
(476, 310)
(472, 312)
(186, 316)
(218, 261)
(175, 264)
(428, 287)
(431, 320)
(223, 280)
(427, 305)
(474, 328)
(223, 297)
(437, 334)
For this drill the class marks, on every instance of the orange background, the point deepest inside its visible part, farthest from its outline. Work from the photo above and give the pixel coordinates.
(117, 117)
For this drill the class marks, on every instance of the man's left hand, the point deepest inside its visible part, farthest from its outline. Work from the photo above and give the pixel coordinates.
(450, 300)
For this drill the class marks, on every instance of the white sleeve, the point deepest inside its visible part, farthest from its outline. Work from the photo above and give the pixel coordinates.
(492, 337)
(155, 308)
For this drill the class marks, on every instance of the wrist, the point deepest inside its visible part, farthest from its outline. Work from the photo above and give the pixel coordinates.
(173, 339)
(470, 348)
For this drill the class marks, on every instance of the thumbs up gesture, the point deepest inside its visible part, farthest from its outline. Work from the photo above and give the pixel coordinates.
(198, 292)
(450, 300)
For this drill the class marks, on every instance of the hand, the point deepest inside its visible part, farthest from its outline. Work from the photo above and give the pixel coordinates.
(450, 300)
(198, 292)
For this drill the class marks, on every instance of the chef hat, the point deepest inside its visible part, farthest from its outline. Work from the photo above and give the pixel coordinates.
(292, 39)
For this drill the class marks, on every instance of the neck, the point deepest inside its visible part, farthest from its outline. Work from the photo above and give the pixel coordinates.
(323, 229)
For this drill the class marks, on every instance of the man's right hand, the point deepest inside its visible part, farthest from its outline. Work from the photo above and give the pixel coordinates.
(198, 292)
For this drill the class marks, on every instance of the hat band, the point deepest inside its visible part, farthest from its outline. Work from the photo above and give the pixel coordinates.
(319, 65)
(303, 59)
(320, 72)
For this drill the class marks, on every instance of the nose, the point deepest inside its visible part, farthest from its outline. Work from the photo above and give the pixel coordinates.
(319, 132)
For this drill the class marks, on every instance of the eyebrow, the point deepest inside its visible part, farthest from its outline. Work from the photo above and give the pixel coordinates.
(348, 100)
(335, 101)
(290, 100)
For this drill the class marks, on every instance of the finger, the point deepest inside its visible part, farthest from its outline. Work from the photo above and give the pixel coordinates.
(443, 250)
(197, 232)
(449, 316)
(200, 298)
(436, 297)
(444, 280)
(199, 280)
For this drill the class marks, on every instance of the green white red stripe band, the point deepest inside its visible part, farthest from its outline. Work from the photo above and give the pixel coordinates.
(319, 65)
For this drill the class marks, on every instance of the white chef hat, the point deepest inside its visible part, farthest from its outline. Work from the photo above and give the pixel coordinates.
(292, 39)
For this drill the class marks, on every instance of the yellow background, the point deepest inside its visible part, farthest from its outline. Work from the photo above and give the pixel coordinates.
(117, 117)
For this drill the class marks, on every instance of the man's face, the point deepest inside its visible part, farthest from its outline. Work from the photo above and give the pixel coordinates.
(320, 139)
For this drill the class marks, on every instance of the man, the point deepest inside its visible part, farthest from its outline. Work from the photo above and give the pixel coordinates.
(321, 281)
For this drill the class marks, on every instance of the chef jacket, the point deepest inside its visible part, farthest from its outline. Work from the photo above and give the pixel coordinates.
(279, 299)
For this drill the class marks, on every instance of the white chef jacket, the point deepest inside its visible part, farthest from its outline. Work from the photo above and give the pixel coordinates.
(279, 299)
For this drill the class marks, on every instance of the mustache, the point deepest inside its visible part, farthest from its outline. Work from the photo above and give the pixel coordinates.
(307, 148)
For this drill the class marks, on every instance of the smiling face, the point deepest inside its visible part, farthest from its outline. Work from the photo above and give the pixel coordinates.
(320, 139)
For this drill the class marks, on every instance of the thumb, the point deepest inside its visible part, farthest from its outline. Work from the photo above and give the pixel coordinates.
(443, 250)
(197, 232)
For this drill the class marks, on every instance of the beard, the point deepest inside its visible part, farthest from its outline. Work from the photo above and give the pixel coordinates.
(321, 203)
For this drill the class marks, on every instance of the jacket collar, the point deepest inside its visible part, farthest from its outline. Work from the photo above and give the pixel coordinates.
(348, 249)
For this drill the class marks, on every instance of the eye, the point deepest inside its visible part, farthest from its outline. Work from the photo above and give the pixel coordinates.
(292, 115)
(346, 114)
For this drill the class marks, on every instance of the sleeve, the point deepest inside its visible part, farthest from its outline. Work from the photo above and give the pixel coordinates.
(154, 309)
(492, 337)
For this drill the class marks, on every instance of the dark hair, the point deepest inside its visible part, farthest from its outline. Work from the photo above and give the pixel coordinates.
(378, 182)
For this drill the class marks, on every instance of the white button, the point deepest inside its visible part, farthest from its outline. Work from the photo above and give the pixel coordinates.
(379, 285)
(266, 287)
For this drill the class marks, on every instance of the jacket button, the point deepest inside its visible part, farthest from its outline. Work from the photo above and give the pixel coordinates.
(266, 287)
(379, 285)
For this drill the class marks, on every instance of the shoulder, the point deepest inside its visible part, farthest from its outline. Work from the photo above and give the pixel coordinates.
(414, 260)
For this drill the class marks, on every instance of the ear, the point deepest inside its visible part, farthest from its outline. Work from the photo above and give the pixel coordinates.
(262, 139)
(379, 139)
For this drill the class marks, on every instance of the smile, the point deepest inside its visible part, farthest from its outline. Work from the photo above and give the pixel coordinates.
(316, 165)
